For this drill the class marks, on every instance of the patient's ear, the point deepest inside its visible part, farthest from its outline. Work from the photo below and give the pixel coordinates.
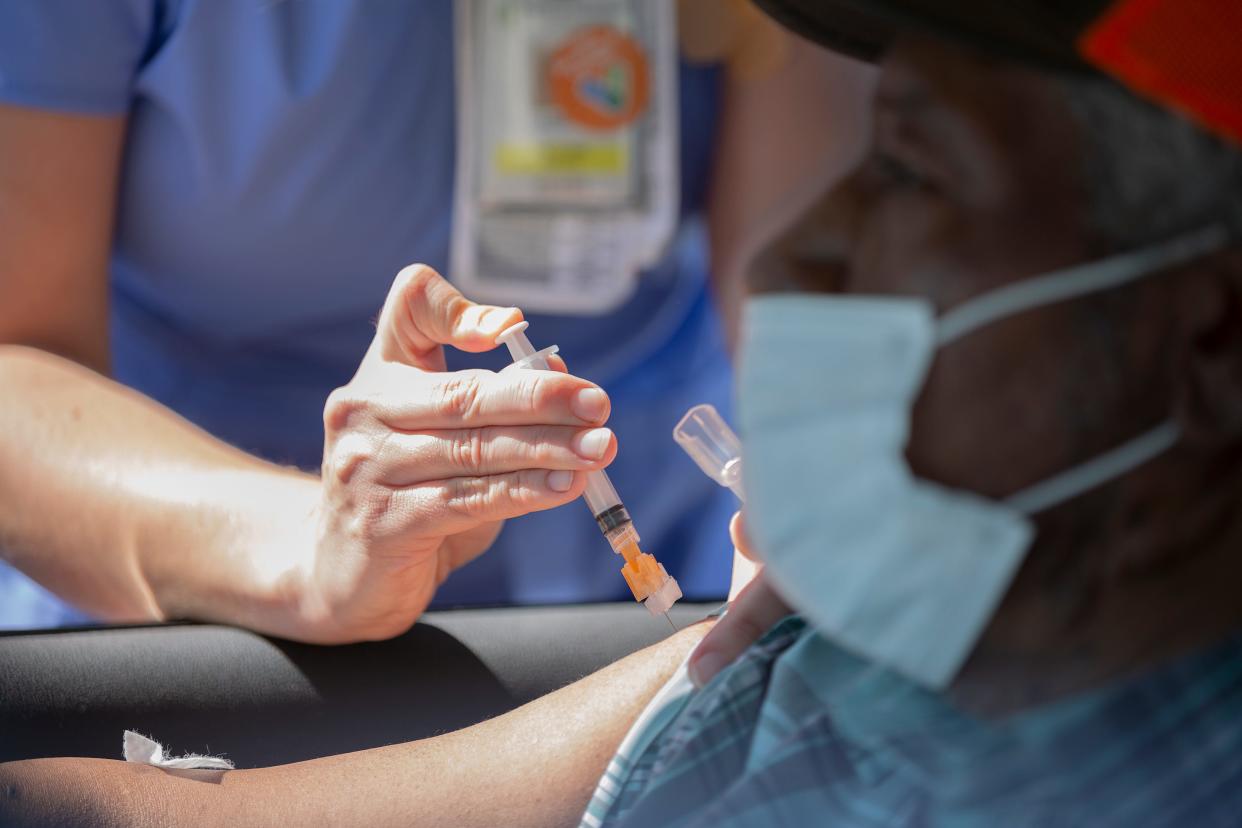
(1209, 404)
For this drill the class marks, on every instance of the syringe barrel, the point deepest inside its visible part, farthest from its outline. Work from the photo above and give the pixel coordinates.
(600, 496)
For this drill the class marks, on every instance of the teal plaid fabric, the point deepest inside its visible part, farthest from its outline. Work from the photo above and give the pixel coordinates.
(800, 733)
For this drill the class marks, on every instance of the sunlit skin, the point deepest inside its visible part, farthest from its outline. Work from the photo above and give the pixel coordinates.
(1002, 409)
(535, 766)
(974, 180)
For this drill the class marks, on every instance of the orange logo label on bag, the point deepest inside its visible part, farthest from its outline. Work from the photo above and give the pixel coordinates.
(598, 78)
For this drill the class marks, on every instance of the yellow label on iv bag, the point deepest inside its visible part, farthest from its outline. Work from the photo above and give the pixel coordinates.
(562, 159)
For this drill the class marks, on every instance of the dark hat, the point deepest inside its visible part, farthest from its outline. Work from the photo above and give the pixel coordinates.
(1037, 30)
(1181, 53)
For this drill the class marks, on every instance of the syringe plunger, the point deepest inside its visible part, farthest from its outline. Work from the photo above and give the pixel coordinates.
(523, 352)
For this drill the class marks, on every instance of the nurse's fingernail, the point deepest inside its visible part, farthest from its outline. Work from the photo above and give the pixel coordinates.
(495, 321)
(561, 480)
(593, 444)
(591, 404)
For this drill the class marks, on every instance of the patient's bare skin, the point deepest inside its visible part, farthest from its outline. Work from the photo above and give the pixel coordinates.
(534, 766)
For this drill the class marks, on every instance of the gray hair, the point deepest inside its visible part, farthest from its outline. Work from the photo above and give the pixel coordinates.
(1150, 172)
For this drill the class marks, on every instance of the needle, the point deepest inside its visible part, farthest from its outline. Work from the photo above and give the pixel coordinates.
(670, 622)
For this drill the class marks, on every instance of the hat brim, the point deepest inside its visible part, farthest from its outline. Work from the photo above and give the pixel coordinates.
(1035, 31)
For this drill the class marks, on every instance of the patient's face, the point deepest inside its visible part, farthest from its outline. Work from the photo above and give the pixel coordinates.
(973, 181)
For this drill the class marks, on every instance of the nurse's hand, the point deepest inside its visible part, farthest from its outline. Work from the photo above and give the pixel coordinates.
(422, 465)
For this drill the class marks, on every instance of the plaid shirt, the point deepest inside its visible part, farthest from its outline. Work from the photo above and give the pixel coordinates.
(798, 732)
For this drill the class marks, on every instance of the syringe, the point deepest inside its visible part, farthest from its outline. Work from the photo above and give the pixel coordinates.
(646, 577)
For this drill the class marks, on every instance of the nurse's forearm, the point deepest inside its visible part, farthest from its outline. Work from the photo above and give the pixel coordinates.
(535, 766)
(130, 512)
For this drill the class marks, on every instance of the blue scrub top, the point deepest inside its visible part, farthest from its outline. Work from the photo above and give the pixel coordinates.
(285, 159)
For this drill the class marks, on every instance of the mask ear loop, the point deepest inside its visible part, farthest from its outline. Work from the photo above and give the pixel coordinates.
(1072, 282)
(1108, 466)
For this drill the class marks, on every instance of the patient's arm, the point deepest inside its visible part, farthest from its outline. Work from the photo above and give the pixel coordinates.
(533, 766)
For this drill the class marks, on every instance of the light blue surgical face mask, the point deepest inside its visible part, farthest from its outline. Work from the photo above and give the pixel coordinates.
(900, 570)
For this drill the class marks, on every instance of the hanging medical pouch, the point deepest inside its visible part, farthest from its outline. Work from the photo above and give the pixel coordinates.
(566, 150)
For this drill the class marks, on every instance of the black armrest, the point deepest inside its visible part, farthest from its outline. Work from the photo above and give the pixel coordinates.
(260, 701)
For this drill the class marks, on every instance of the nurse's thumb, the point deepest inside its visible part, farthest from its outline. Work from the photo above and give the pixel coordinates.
(423, 311)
